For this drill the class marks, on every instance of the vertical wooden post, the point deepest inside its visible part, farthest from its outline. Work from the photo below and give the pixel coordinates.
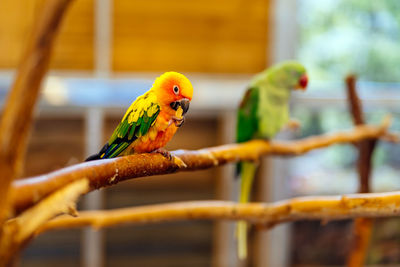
(103, 38)
(224, 252)
(92, 240)
(271, 247)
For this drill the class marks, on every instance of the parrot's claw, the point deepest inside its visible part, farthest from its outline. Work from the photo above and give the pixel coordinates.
(178, 121)
(164, 152)
(170, 157)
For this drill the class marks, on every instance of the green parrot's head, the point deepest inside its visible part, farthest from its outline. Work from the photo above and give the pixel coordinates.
(288, 75)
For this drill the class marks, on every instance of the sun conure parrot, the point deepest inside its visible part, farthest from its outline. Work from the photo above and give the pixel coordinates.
(263, 111)
(152, 119)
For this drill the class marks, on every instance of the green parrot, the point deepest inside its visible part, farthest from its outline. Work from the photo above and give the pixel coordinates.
(263, 111)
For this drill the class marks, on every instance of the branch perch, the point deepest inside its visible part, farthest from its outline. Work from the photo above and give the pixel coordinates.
(20, 229)
(103, 173)
(324, 208)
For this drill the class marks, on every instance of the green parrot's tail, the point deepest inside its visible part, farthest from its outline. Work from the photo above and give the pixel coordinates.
(248, 171)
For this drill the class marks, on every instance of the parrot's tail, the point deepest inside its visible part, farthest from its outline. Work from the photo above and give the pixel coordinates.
(98, 155)
(248, 171)
(93, 157)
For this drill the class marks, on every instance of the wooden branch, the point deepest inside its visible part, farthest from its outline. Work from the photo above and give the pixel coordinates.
(103, 173)
(18, 109)
(365, 147)
(324, 208)
(354, 100)
(19, 230)
(362, 226)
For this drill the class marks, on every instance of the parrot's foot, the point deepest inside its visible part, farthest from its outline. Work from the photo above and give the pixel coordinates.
(170, 157)
(178, 121)
(164, 152)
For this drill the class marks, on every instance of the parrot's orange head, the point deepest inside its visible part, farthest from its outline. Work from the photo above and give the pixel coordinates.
(173, 90)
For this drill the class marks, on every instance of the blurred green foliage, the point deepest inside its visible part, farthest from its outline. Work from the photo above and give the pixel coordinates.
(342, 36)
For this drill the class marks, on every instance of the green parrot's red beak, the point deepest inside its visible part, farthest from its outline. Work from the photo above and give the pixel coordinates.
(303, 81)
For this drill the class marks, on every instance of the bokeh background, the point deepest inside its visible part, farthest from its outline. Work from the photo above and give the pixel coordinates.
(109, 51)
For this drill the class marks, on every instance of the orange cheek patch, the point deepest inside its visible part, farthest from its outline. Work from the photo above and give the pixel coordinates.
(168, 89)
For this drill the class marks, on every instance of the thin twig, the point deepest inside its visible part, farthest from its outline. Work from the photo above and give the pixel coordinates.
(324, 208)
(103, 173)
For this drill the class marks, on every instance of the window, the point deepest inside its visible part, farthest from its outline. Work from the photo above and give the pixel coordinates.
(337, 37)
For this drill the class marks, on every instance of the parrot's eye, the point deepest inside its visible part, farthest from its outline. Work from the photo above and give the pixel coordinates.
(176, 89)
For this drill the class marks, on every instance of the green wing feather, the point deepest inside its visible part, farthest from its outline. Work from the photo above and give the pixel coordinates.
(136, 122)
(247, 121)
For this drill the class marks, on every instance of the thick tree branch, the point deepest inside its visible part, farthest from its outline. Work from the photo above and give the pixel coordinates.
(103, 173)
(324, 208)
(19, 230)
(18, 109)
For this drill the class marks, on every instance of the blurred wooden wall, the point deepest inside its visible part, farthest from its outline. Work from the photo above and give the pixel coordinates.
(74, 48)
(225, 36)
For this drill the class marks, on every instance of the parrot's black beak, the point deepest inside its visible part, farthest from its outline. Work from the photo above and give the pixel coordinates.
(184, 103)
